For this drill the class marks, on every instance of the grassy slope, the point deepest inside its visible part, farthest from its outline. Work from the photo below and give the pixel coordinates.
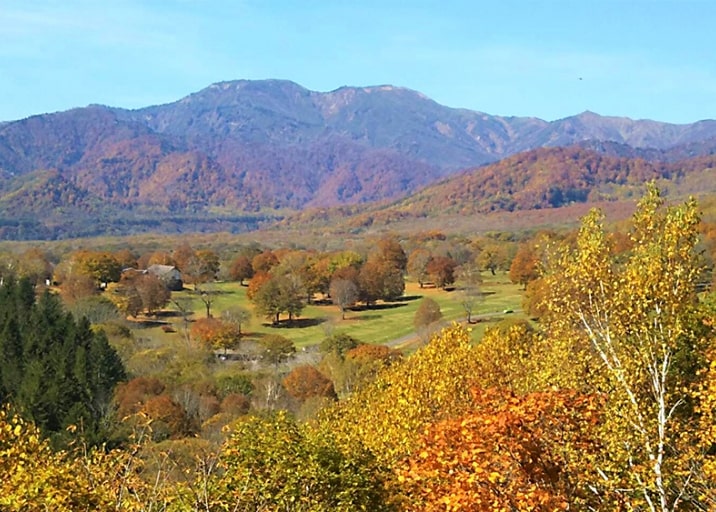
(385, 323)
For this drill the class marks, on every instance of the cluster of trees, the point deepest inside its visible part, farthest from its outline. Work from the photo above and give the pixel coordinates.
(125, 276)
(179, 410)
(282, 282)
(279, 379)
(138, 292)
(84, 273)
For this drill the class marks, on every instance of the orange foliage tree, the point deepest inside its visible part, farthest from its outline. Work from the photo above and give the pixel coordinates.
(509, 453)
(525, 265)
(305, 381)
(371, 353)
(130, 396)
(169, 419)
(365, 362)
(441, 270)
(216, 334)
(264, 262)
(241, 269)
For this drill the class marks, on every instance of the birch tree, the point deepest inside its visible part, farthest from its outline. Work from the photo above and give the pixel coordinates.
(637, 313)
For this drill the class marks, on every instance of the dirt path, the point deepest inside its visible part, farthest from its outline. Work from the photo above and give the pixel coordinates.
(414, 338)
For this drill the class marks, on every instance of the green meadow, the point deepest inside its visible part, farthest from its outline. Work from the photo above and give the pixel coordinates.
(385, 323)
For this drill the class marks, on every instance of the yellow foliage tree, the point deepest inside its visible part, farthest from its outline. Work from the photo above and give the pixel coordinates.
(505, 357)
(434, 383)
(705, 395)
(272, 463)
(636, 313)
(34, 477)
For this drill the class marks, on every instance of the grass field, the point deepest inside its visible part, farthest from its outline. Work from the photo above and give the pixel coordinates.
(384, 323)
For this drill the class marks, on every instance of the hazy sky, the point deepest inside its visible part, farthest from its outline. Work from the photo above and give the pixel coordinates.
(651, 59)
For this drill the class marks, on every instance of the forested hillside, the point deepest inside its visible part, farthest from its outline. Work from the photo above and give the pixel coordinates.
(554, 177)
(539, 179)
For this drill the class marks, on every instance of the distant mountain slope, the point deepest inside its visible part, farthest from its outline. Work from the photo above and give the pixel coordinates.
(638, 134)
(542, 178)
(59, 141)
(265, 146)
(276, 112)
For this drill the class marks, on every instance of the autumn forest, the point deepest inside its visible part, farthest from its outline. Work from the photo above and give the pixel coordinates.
(182, 378)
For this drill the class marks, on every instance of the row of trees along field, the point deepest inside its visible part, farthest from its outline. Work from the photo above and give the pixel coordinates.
(280, 281)
(606, 401)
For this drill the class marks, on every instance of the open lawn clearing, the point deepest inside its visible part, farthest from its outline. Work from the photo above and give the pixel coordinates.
(381, 323)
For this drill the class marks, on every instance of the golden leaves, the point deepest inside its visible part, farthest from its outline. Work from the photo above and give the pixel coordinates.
(636, 312)
(387, 415)
(36, 478)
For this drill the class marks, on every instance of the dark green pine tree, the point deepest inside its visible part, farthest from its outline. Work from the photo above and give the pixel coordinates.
(107, 370)
(11, 359)
(34, 396)
(24, 298)
(55, 370)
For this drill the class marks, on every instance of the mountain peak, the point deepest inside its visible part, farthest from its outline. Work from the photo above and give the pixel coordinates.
(269, 83)
(229, 91)
(588, 114)
(351, 91)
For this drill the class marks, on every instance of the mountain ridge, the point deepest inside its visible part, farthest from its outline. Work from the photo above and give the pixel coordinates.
(261, 147)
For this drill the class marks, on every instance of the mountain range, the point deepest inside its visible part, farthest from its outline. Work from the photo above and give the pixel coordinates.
(243, 152)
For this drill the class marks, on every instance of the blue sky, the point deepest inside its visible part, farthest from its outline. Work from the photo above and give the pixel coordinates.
(652, 59)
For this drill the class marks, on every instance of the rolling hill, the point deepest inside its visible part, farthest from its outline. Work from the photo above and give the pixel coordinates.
(539, 179)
